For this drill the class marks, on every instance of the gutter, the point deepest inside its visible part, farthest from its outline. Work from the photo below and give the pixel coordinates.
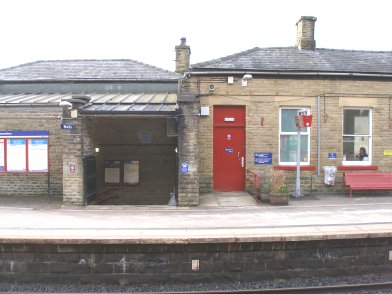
(141, 113)
(290, 73)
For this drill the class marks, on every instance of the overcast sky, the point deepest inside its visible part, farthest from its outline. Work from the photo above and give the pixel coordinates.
(148, 30)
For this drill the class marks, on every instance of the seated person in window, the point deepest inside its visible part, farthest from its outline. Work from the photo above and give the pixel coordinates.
(362, 153)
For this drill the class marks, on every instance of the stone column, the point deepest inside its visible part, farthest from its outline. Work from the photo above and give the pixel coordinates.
(188, 151)
(77, 144)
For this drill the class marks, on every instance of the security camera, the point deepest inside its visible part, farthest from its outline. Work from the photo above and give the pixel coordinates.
(247, 77)
(65, 104)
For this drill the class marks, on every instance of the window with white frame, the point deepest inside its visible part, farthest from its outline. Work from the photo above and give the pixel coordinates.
(357, 136)
(288, 138)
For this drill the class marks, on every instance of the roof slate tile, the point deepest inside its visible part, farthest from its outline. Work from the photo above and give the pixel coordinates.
(291, 59)
(96, 70)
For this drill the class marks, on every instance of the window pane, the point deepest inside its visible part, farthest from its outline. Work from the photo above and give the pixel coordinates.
(356, 122)
(288, 148)
(288, 120)
(351, 146)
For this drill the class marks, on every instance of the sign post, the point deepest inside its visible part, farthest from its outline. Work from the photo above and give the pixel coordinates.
(301, 121)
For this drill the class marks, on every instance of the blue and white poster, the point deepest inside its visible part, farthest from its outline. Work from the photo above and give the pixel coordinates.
(38, 155)
(16, 155)
(263, 157)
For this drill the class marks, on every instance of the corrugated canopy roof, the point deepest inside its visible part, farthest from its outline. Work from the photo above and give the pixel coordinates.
(120, 103)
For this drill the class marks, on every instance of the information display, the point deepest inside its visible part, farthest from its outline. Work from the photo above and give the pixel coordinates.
(38, 155)
(16, 155)
(24, 151)
(131, 172)
(112, 171)
(2, 159)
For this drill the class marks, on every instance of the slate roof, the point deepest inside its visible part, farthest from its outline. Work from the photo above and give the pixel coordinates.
(87, 70)
(291, 59)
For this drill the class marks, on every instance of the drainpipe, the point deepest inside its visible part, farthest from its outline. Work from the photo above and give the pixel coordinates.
(318, 136)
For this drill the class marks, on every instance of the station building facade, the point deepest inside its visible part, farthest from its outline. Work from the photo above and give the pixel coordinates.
(123, 132)
(243, 109)
(83, 131)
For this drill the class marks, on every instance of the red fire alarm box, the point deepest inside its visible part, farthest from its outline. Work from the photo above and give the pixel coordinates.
(307, 120)
(303, 121)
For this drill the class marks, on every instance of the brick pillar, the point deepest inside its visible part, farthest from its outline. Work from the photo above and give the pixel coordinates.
(77, 144)
(188, 151)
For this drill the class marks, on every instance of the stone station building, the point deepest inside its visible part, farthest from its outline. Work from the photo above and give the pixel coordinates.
(247, 103)
(123, 132)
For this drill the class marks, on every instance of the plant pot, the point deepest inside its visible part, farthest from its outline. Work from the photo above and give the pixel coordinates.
(257, 193)
(277, 198)
(265, 197)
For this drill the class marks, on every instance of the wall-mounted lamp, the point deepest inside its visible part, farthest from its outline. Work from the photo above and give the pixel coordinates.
(245, 79)
(96, 149)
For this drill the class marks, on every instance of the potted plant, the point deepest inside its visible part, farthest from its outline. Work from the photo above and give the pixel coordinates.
(279, 193)
(265, 185)
(264, 193)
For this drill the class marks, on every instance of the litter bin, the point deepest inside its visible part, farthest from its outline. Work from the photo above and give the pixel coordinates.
(329, 175)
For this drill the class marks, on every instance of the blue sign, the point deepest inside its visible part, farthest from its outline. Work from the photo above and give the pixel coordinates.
(331, 155)
(24, 134)
(229, 150)
(184, 168)
(67, 127)
(263, 157)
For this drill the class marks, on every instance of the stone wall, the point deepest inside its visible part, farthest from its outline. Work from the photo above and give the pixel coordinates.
(161, 263)
(34, 119)
(263, 97)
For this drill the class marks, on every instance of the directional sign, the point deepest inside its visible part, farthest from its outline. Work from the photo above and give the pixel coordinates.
(67, 127)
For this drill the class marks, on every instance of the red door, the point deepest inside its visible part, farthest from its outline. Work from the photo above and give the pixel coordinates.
(229, 148)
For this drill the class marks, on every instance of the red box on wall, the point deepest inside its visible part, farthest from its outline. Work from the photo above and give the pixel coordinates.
(303, 121)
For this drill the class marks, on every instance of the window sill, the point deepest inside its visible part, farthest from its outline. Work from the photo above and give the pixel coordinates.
(294, 167)
(357, 167)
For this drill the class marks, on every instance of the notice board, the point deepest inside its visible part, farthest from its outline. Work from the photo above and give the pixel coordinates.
(112, 171)
(131, 172)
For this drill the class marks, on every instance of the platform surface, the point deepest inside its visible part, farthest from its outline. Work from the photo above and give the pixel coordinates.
(221, 217)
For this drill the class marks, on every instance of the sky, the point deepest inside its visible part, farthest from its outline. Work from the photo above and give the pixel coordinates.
(149, 30)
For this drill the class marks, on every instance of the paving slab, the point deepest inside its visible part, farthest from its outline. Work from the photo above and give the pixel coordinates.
(221, 217)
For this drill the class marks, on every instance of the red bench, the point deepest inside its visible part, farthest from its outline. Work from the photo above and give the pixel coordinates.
(367, 181)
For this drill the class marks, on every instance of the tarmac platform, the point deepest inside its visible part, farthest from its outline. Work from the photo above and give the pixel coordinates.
(220, 218)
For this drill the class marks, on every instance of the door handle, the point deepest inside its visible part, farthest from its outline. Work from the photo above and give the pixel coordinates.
(242, 161)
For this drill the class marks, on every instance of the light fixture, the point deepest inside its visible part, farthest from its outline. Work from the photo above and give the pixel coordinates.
(245, 79)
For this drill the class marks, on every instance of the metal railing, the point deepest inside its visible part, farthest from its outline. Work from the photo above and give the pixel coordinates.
(256, 179)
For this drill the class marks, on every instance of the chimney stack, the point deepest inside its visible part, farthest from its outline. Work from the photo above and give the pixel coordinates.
(305, 33)
(183, 54)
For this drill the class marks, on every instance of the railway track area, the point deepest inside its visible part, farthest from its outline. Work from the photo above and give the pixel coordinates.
(363, 288)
